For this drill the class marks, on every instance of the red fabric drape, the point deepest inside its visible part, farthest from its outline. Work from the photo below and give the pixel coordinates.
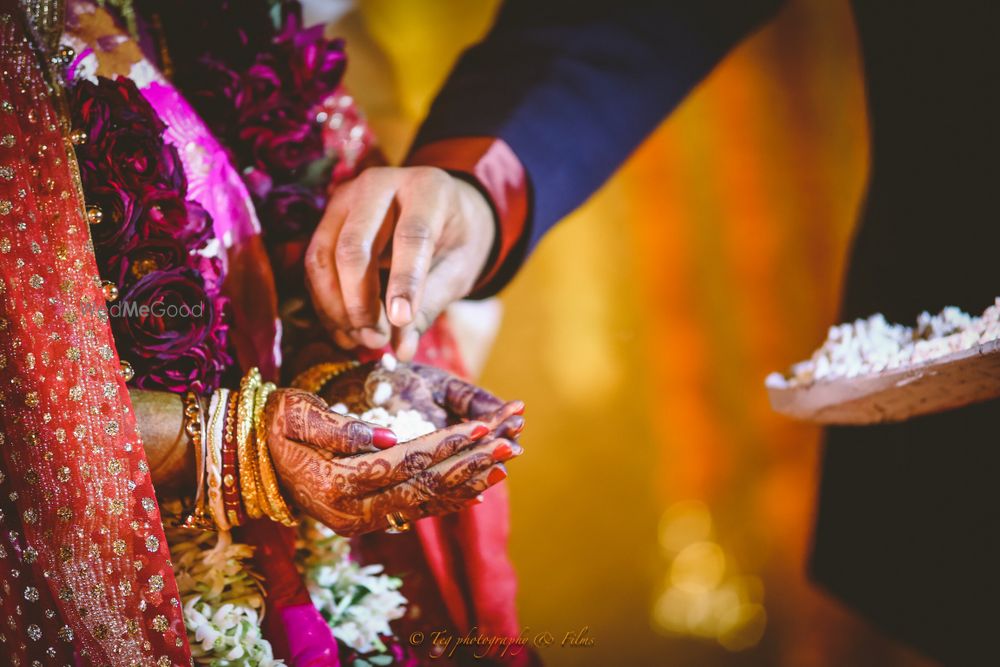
(83, 558)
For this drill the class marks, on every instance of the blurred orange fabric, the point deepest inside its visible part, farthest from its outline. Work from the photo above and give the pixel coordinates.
(661, 504)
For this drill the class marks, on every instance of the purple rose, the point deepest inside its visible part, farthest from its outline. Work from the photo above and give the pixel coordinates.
(284, 144)
(199, 369)
(212, 89)
(141, 161)
(119, 213)
(175, 314)
(260, 86)
(210, 269)
(140, 257)
(171, 328)
(290, 211)
(124, 137)
(165, 214)
(316, 65)
(171, 177)
(103, 107)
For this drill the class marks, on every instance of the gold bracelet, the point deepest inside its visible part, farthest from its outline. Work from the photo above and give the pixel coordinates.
(274, 502)
(216, 423)
(245, 444)
(194, 427)
(313, 379)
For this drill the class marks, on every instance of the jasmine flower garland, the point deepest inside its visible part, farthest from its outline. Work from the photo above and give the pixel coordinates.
(223, 601)
(358, 602)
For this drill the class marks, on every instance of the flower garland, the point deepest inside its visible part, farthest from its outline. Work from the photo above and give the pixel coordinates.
(223, 602)
(357, 602)
(167, 311)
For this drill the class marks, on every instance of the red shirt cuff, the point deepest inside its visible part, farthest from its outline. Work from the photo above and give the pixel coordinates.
(494, 167)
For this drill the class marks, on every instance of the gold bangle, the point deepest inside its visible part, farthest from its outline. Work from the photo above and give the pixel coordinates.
(194, 427)
(313, 379)
(214, 467)
(279, 510)
(245, 444)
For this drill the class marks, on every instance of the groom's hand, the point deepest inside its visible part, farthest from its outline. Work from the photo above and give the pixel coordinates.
(436, 231)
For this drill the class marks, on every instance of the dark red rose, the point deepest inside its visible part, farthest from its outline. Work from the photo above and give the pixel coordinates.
(165, 214)
(142, 256)
(164, 313)
(170, 327)
(142, 161)
(199, 369)
(119, 213)
(212, 89)
(107, 106)
(124, 137)
(260, 85)
(290, 211)
(315, 64)
(284, 145)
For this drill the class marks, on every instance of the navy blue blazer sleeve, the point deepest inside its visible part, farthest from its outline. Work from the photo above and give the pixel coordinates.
(574, 87)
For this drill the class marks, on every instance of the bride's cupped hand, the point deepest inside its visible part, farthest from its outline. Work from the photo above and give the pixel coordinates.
(441, 397)
(333, 469)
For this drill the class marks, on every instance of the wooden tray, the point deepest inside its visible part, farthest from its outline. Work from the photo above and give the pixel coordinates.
(949, 382)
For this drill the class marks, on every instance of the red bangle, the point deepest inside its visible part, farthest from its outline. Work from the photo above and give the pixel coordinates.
(231, 499)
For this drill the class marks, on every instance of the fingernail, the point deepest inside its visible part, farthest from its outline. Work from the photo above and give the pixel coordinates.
(478, 500)
(400, 312)
(502, 452)
(520, 410)
(498, 474)
(383, 438)
(479, 432)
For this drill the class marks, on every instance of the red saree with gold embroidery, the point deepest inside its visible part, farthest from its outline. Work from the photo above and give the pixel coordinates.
(84, 570)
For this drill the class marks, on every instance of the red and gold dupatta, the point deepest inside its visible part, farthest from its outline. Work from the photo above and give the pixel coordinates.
(84, 573)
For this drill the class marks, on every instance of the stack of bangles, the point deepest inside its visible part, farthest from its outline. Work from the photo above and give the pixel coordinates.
(235, 476)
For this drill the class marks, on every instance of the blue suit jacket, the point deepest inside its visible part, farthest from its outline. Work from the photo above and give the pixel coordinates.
(574, 87)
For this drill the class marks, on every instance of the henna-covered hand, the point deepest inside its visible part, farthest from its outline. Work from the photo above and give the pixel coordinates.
(353, 488)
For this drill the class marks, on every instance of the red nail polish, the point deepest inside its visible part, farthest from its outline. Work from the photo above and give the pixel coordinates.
(520, 410)
(502, 452)
(498, 474)
(479, 432)
(383, 438)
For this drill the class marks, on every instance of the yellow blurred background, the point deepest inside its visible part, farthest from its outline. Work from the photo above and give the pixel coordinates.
(661, 505)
